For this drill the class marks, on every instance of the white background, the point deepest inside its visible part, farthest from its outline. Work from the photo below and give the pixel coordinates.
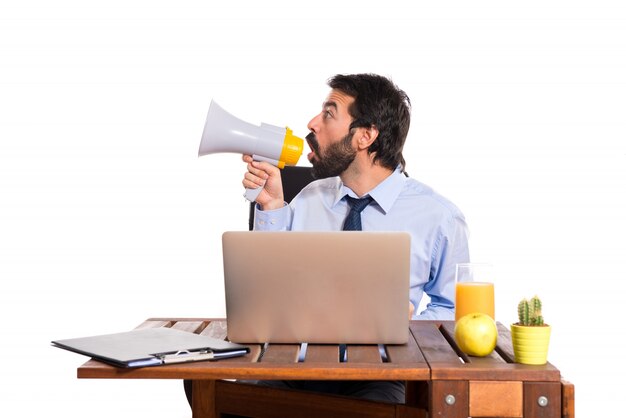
(108, 217)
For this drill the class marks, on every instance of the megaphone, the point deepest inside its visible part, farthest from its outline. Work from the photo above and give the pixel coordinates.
(224, 132)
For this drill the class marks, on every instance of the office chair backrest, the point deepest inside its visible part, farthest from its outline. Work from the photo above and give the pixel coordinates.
(294, 179)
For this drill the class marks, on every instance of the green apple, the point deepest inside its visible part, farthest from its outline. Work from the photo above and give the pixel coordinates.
(476, 334)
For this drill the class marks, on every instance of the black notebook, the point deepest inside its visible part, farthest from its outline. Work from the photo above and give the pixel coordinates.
(152, 347)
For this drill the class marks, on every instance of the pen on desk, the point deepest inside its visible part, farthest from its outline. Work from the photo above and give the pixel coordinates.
(185, 356)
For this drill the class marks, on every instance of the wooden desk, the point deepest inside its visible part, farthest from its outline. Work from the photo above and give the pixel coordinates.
(439, 379)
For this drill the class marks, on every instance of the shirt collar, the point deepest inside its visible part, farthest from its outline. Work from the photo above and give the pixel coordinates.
(385, 193)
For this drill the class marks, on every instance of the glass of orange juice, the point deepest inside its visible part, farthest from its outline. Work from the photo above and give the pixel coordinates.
(474, 289)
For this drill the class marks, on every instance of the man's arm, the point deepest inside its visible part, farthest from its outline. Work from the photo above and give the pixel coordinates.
(272, 220)
(453, 248)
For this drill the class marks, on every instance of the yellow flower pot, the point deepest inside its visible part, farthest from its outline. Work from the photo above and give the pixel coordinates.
(530, 343)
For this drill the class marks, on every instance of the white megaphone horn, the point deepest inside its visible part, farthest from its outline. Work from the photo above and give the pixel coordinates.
(225, 133)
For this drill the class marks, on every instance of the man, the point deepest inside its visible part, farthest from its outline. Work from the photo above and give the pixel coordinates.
(356, 146)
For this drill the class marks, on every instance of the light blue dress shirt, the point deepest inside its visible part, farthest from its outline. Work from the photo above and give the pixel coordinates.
(439, 236)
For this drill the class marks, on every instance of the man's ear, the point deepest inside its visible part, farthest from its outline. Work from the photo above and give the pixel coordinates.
(367, 137)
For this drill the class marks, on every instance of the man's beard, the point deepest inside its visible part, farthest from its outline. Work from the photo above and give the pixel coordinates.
(334, 160)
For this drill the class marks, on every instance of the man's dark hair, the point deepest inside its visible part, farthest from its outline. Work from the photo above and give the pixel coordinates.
(379, 102)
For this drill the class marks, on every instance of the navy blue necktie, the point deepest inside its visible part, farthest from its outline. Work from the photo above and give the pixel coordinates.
(353, 223)
(353, 220)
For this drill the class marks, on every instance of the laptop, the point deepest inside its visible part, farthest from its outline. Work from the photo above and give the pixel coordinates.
(340, 287)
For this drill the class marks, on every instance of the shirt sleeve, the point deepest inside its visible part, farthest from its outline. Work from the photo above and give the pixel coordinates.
(452, 248)
(272, 220)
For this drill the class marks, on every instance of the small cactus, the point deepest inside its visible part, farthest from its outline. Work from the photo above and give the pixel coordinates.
(529, 312)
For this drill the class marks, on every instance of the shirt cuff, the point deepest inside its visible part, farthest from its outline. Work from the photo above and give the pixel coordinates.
(271, 220)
